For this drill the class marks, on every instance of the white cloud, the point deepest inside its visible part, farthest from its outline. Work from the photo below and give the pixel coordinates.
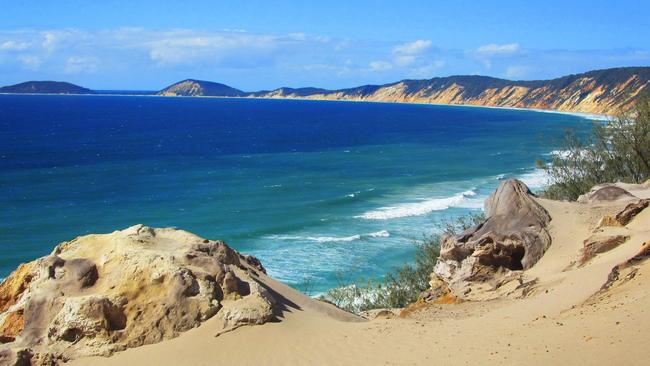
(498, 49)
(14, 46)
(380, 66)
(428, 70)
(404, 60)
(30, 62)
(413, 48)
(50, 40)
(135, 57)
(173, 49)
(516, 71)
(81, 64)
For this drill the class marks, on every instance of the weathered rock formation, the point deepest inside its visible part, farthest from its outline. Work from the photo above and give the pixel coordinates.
(599, 243)
(606, 193)
(631, 210)
(98, 294)
(513, 238)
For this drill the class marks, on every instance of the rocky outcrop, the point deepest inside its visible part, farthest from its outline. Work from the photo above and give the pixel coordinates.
(607, 221)
(604, 193)
(99, 294)
(627, 270)
(599, 243)
(630, 211)
(513, 238)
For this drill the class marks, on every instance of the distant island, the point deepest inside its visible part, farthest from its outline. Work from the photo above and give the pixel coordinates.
(45, 87)
(605, 91)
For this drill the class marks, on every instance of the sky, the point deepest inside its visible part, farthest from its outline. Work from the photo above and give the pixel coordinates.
(254, 45)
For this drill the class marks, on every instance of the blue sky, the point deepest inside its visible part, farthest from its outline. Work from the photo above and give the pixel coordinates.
(266, 44)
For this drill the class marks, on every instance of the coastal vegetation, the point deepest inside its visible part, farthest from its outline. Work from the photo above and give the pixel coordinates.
(402, 285)
(616, 151)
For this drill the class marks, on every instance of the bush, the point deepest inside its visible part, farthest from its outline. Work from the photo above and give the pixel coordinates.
(616, 151)
(402, 286)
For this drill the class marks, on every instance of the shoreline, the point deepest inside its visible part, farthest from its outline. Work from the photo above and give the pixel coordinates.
(584, 115)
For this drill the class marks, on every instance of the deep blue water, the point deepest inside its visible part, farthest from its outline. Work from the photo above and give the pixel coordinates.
(312, 188)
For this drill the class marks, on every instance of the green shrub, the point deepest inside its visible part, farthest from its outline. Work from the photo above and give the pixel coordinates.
(397, 289)
(403, 285)
(616, 151)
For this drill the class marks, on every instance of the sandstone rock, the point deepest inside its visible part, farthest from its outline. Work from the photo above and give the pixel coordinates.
(514, 237)
(99, 294)
(627, 270)
(606, 193)
(597, 244)
(12, 288)
(607, 221)
(256, 308)
(630, 211)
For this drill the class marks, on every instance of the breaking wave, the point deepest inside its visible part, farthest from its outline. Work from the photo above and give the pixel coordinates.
(331, 239)
(535, 179)
(462, 200)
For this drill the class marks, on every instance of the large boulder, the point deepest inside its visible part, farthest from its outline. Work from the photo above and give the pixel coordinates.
(603, 193)
(513, 238)
(98, 294)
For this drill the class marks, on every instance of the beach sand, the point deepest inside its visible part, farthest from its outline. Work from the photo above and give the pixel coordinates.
(565, 320)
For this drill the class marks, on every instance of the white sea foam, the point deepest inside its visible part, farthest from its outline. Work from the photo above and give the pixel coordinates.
(380, 234)
(560, 153)
(331, 239)
(535, 179)
(319, 239)
(462, 200)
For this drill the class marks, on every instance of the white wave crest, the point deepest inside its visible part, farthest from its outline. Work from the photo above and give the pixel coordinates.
(535, 179)
(331, 239)
(319, 239)
(422, 208)
(380, 234)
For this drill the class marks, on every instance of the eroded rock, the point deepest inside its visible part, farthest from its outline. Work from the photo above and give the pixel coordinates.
(597, 244)
(630, 211)
(99, 294)
(607, 221)
(606, 193)
(256, 308)
(514, 237)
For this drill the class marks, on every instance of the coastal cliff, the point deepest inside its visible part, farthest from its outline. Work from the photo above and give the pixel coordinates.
(601, 92)
(608, 91)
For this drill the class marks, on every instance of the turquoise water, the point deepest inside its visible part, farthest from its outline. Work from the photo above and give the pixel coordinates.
(314, 189)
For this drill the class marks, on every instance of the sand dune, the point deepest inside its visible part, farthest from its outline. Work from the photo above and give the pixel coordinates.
(565, 319)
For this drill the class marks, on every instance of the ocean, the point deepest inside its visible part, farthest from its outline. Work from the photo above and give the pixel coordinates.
(320, 191)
